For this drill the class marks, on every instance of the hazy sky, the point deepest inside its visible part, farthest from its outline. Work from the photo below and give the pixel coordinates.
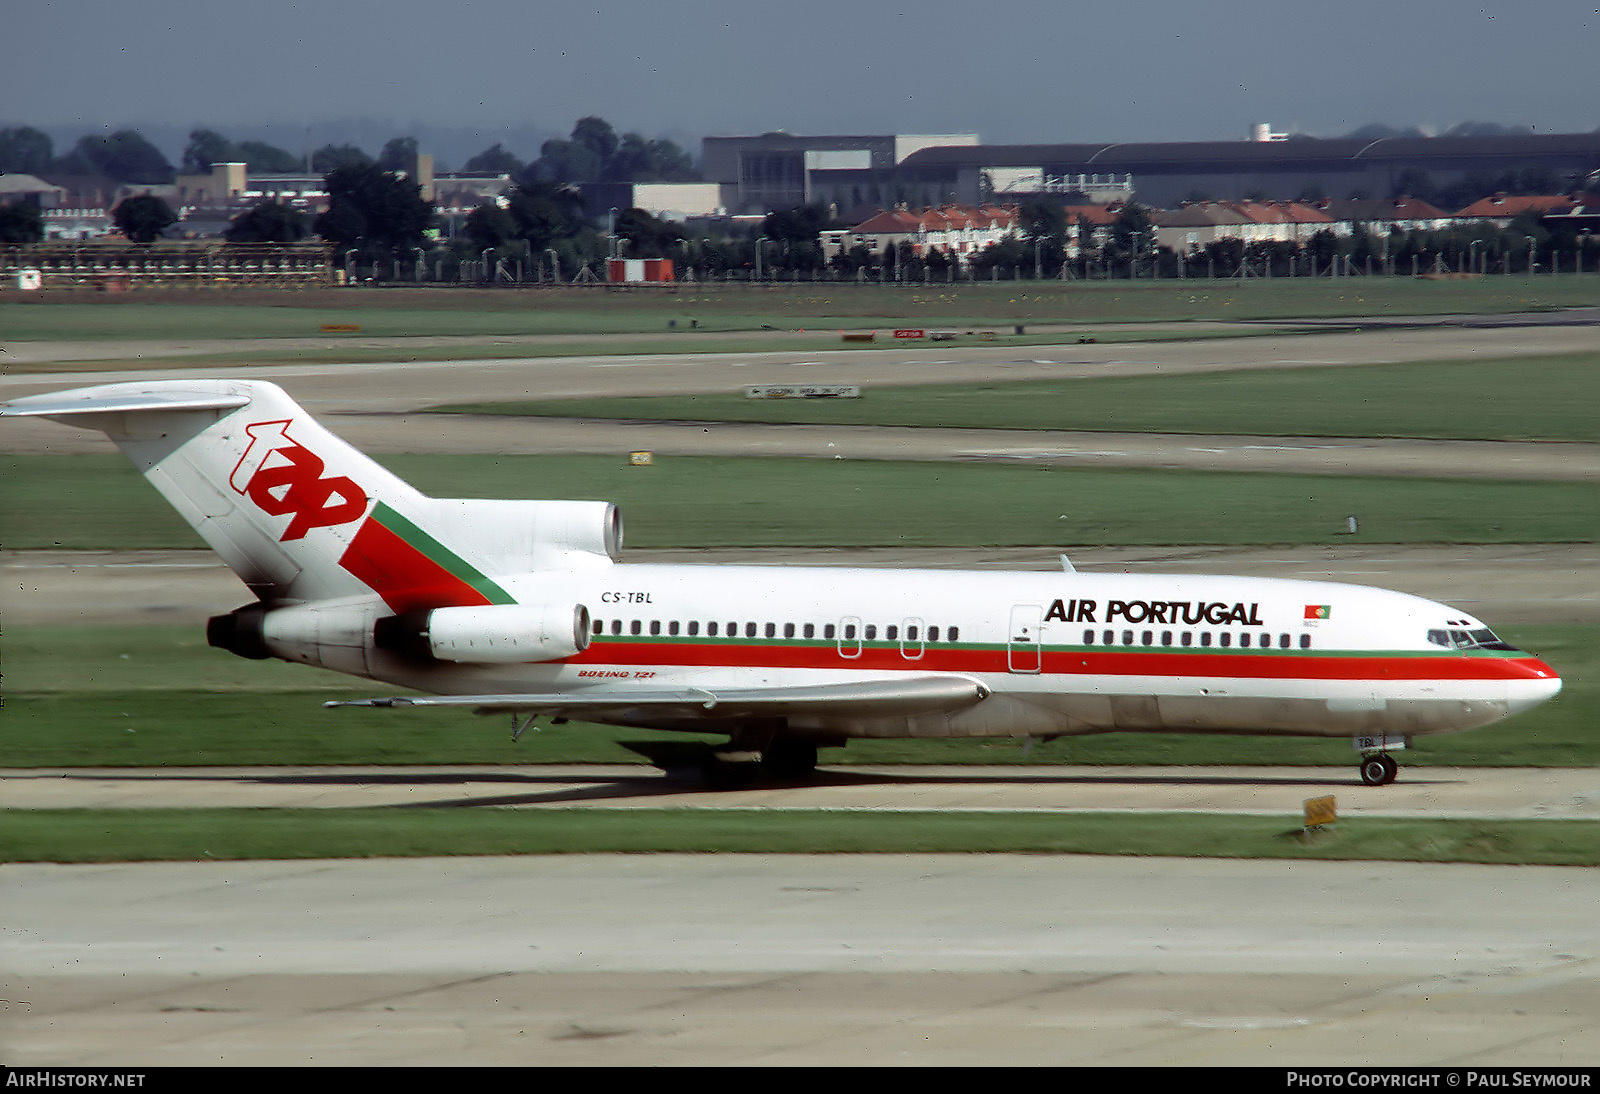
(1027, 71)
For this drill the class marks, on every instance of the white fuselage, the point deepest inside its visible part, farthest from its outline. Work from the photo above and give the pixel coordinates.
(1060, 653)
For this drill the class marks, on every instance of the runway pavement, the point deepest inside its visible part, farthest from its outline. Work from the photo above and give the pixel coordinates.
(738, 960)
(1421, 792)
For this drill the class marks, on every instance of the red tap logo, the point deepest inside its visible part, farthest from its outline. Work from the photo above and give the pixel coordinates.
(282, 477)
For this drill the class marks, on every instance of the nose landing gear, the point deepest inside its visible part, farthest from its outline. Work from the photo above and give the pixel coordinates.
(1378, 770)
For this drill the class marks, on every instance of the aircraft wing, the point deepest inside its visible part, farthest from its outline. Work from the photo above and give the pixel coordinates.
(869, 698)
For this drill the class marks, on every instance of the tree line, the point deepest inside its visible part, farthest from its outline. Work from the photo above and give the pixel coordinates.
(374, 202)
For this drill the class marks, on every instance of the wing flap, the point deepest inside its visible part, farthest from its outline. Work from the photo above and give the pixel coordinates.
(867, 698)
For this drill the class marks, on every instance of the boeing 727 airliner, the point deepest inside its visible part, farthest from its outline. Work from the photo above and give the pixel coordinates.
(523, 607)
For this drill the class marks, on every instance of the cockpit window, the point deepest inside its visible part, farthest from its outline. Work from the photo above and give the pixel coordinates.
(1479, 638)
(1485, 639)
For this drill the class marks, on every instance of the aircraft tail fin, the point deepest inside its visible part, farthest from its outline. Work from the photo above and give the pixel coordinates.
(301, 515)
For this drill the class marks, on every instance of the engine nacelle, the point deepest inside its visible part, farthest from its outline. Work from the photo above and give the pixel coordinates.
(334, 635)
(511, 537)
(496, 634)
(239, 632)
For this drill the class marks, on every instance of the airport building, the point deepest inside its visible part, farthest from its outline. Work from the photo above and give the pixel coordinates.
(780, 170)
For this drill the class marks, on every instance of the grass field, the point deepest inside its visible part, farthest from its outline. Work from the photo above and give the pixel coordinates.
(400, 312)
(216, 834)
(1517, 398)
(158, 696)
(99, 502)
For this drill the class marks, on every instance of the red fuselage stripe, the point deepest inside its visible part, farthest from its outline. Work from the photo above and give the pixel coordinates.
(1264, 664)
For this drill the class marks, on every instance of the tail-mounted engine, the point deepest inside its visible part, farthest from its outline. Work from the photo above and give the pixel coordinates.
(512, 537)
(497, 634)
(239, 632)
(334, 635)
(340, 635)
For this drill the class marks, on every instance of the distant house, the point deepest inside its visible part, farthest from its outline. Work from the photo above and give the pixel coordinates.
(1197, 225)
(1381, 216)
(1089, 225)
(34, 191)
(1282, 221)
(884, 227)
(960, 231)
(1501, 209)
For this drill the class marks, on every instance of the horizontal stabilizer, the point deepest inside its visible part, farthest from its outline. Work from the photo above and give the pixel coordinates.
(870, 698)
(118, 399)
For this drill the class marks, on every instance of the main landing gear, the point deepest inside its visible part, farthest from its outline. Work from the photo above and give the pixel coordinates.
(1379, 769)
(751, 756)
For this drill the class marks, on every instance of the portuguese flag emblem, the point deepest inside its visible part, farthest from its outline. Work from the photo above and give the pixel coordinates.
(1319, 611)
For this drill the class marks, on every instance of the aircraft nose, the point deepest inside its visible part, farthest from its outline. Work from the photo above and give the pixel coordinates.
(1541, 685)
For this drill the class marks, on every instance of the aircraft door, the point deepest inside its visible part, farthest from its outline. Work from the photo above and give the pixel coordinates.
(850, 636)
(1023, 643)
(912, 641)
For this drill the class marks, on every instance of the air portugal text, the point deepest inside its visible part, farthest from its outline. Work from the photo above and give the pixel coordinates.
(1192, 612)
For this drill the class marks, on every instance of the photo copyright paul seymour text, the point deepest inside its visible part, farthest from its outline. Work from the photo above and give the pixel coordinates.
(1454, 1079)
